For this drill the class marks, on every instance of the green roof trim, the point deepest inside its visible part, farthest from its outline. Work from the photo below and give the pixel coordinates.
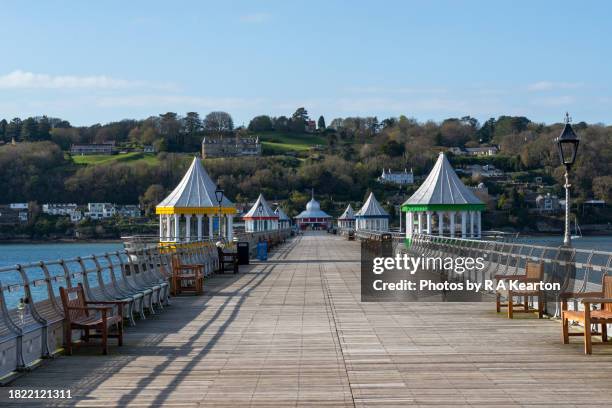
(442, 207)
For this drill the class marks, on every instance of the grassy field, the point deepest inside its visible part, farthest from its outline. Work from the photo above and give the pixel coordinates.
(148, 158)
(283, 142)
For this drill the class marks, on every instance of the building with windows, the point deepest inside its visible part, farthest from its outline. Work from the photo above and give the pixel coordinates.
(87, 149)
(397, 177)
(283, 219)
(372, 216)
(346, 221)
(129, 211)
(230, 146)
(313, 217)
(98, 211)
(261, 217)
(444, 197)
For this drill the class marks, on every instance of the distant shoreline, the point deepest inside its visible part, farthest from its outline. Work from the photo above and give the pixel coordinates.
(61, 241)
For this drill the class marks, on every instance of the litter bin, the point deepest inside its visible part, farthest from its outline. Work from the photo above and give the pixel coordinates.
(243, 253)
(262, 251)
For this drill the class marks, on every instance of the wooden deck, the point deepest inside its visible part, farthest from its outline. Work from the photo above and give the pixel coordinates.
(293, 332)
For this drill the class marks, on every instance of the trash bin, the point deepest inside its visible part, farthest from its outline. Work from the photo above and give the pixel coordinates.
(262, 251)
(243, 253)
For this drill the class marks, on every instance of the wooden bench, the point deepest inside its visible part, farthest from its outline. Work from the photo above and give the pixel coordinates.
(589, 317)
(534, 272)
(186, 277)
(81, 314)
(227, 258)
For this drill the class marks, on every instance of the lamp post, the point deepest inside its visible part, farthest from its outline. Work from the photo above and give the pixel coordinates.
(219, 197)
(567, 144)
(259, 221)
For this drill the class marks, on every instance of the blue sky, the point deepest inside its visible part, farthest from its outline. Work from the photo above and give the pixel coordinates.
(91, 62)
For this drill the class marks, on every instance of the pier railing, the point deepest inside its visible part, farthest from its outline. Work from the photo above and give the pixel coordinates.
(31, 314)
(579, 270)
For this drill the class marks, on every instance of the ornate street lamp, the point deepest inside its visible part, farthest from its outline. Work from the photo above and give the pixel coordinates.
(219, 196)
(567, 143)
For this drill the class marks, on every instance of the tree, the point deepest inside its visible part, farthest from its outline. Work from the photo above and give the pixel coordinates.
(218, 122)
(298, 120)
(3, 126)
(170, 128)
(44, 129)
(29, 130)
(300, 114)
(151, 197)
(260, 123)
(13, 130)
(281, 123)
(192, 123)
(602, 188)
(321, 123)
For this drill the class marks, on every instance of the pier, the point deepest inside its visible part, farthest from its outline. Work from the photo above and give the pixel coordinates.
(292, 331)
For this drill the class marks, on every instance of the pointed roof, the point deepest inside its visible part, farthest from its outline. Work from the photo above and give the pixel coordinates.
(348, 214)
(313, 209)
(196, 190)
(442, 186)
(282, 216)
(372, 209)
(265, 212)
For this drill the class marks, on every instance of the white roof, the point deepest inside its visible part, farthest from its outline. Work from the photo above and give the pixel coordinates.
(348, 214)
(265, 212)
(313, 210)
(442, 186)
(281, 214)
(196, 189)
(372, 209)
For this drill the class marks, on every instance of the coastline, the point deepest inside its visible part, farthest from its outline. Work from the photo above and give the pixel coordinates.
(61, 241)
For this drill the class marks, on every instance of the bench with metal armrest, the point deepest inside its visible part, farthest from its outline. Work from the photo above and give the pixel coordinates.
(534, 273)
(81, 314)
(588, 317)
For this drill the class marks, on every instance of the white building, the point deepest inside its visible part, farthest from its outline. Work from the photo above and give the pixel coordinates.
(400, 177)
(98, 211)
(313, 217)
(346, 221)
(191, 211)
(129, 211)
(283, 219)
(474, 151)
(443, 196)
(372, 216)
(260, 217)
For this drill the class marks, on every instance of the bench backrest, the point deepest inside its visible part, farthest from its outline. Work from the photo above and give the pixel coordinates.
(176, 262)
(534, 270)
(73, 297)
(607, 291)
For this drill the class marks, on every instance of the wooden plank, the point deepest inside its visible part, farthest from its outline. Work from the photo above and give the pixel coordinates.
(293, 332)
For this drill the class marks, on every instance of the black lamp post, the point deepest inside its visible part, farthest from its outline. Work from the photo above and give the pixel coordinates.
(219, 197)
(567, 143)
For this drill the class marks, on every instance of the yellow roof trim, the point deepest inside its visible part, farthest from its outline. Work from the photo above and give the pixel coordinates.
(195, 210)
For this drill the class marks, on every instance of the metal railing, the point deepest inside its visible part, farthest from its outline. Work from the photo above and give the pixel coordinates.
(31, 314)
(579, 270)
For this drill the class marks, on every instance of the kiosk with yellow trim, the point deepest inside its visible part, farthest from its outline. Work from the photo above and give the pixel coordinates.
(191, 211)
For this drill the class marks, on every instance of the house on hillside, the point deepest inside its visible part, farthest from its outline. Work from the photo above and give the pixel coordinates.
(221, 146)
(397, 177)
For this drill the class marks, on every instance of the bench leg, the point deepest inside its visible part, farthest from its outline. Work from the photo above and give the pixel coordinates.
(68, 339)
(540, 306)
(498, 302)
(120, 333)
(526, 305)
(104, 338)
(604, 332)
(510, 306)
(565, 326)
(588, 346)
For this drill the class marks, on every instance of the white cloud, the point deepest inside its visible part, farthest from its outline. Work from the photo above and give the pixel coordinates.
(563, 100)
(172, 101)
(28, 80)
(552, 86)
(255, 18)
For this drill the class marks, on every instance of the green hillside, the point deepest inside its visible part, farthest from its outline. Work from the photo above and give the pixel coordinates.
(133, 157)
(282, 142)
